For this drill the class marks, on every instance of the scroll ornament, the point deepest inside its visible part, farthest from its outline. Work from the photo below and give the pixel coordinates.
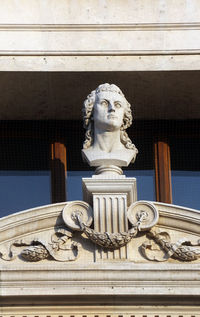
(60, 248)
(160, 248)
(142, 216)
(78, 216)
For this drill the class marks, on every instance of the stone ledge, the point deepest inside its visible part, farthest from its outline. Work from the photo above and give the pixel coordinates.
(97, 61)
(107, 279)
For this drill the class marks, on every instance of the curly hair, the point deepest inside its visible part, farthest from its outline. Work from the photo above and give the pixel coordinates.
(88, 123)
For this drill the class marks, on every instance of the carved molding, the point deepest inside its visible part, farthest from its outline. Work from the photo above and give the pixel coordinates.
(110, 30)
(23, 222)
(105, 279)
(178, 217)
(102, 310)
(120, 185)
(100, 27)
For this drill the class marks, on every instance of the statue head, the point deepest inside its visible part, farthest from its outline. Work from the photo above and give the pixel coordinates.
(123, 121)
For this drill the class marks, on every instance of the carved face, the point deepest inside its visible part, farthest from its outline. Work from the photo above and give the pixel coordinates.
(109, 111)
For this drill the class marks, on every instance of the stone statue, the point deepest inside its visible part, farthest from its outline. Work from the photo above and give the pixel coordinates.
(106, 116)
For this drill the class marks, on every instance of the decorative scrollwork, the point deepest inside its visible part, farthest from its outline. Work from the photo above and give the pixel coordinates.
(182, 250)
(74, 208)
(60, 248)
(144, 214)
(78, 216)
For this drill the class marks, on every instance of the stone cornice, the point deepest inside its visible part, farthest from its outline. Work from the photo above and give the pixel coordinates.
(42, 218)
(100, 27)
(178, 217)
(104, 53)
(128, 309)
(61, 39)
(36, 219)
(167, 279)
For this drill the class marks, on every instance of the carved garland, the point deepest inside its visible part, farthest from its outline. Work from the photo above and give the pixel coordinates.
(77, 216)
(160, 248)
(60, 248)
(142, 216)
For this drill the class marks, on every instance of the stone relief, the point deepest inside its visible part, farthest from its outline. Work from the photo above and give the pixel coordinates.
(160, 248)
(143, 216)
(107, 115)
(60, 248)
(105, 239)
(78, 216)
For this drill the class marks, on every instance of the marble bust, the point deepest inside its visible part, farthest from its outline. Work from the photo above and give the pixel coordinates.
(107, 115)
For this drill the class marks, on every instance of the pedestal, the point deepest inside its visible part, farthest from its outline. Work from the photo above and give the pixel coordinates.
(110, 195)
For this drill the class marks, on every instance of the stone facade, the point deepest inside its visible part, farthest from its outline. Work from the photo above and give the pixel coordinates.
(62, 267)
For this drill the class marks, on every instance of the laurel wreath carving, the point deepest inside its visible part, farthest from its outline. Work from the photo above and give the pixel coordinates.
(182, 250)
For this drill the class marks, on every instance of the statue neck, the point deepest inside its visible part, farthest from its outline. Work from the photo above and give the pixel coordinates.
(107, 141)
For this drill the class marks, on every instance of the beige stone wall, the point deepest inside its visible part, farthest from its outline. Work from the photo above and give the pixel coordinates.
(99, 12)
(85, 35)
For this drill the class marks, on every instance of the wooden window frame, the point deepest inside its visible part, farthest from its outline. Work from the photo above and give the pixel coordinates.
(162, 163)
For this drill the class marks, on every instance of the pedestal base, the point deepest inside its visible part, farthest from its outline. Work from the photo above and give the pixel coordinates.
(110, 196)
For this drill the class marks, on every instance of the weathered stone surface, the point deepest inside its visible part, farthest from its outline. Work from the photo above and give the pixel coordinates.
(85, 276)
(127, 35)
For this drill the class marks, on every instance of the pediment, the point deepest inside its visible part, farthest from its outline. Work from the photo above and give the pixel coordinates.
(40, 254)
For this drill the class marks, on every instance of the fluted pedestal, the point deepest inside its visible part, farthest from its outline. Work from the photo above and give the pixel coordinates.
(110, 195)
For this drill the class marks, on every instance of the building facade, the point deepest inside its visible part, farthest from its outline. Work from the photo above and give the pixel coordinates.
(52, 55)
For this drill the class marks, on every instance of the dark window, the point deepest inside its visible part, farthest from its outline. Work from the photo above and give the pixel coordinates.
(185, 165)
(24, 173)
